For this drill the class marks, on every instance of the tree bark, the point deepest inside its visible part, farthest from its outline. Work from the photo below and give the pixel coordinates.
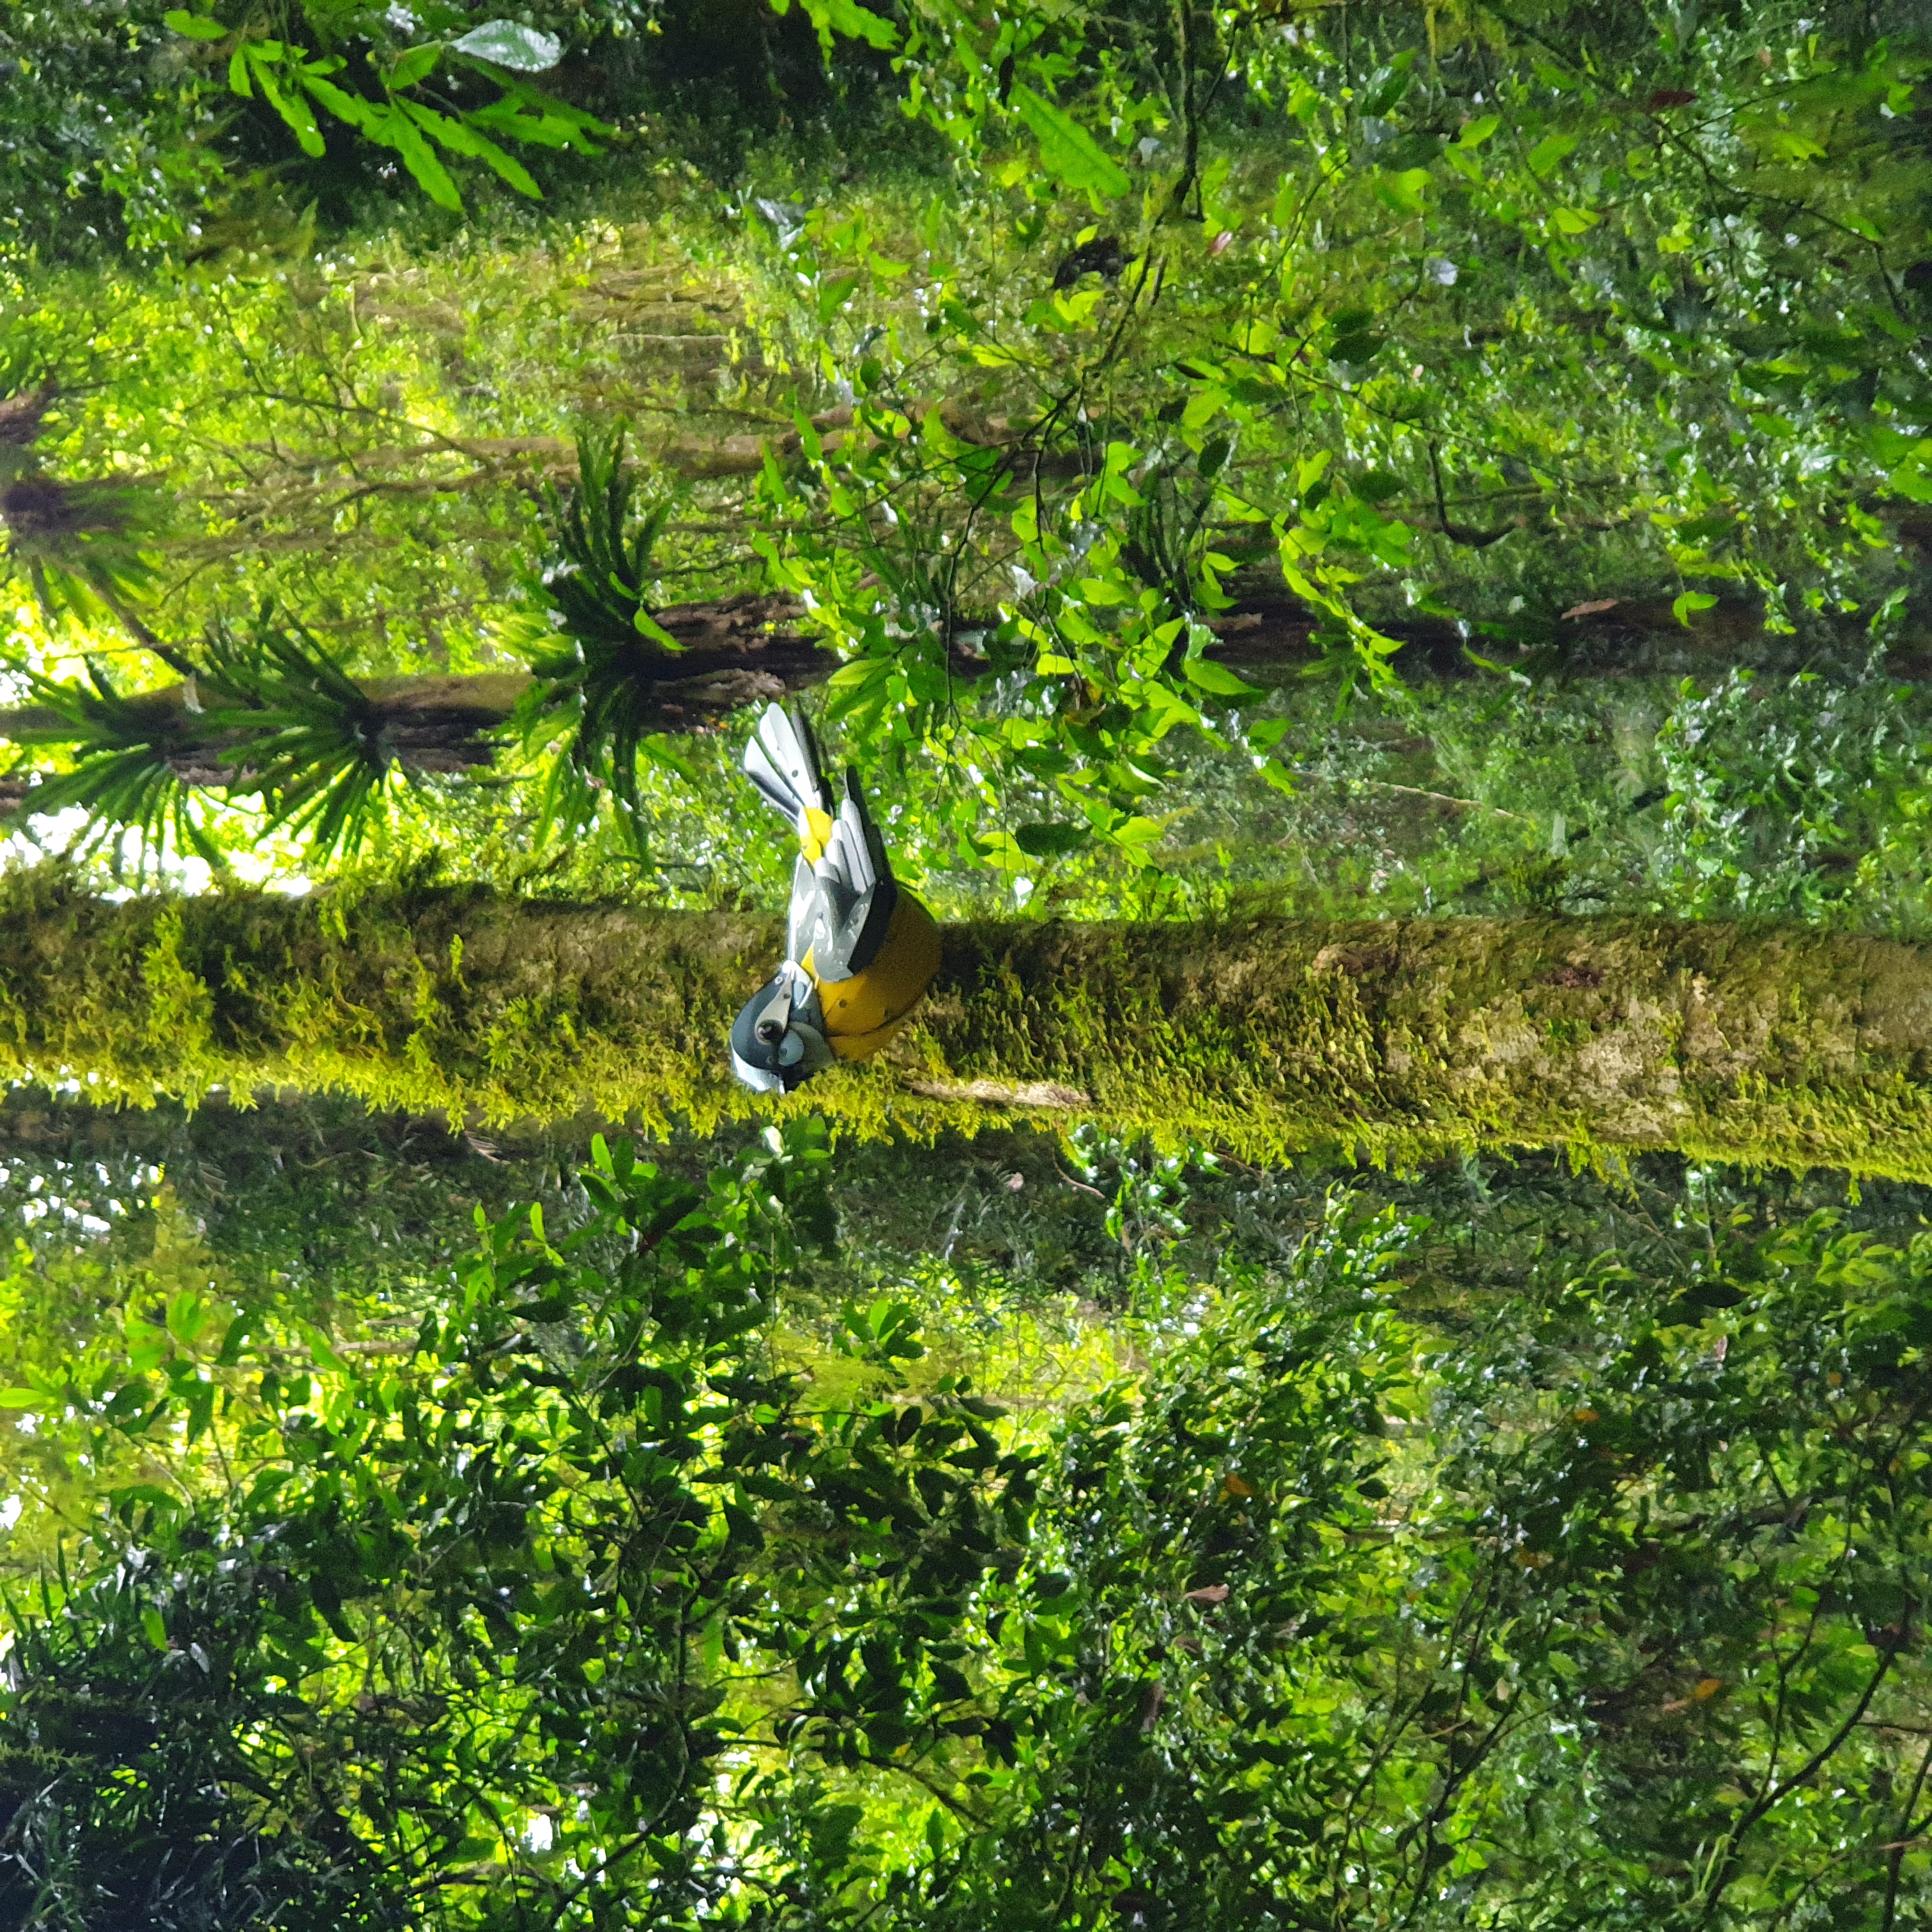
(746, 649)
(1401, 1042)
(736, 651)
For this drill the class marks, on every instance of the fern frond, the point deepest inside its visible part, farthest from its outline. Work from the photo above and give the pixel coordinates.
(595, 694)
(268, 714)
(319, 753)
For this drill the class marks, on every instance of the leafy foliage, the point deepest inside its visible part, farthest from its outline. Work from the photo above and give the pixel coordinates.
(575, 1474)
(1782, 805)
(85, 548)
(1381, 426)
(264, 713)
(295, 82)
(594, 693)
(1591, 1597)
(105, 147)
(1387, 355)
(1100, 1533)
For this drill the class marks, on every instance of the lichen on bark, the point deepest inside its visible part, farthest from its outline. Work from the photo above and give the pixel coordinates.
(1400, 1041)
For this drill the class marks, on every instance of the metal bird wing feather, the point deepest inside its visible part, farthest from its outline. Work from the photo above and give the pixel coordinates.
(758, 768)
(808, 898)
(848, 853)
(857, 893)
(845, 933)
(782, 761)
(842, 894)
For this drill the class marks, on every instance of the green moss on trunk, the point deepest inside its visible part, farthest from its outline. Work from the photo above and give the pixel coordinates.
(1404, 1040)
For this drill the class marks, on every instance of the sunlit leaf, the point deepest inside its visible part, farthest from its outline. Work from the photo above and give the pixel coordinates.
(510, 43)
(195, 26)
(1066, 151)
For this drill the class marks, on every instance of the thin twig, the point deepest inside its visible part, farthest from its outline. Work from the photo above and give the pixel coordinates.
(1440, 797)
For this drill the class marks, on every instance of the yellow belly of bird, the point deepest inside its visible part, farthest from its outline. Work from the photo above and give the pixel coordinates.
(863, 1013)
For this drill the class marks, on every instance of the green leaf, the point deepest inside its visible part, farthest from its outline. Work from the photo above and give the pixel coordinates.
(511, 44)
(847, 17)
(1403, 193)
(834, 295)
(1206, 675)
(195, 26)
(1548, 152)
(950, 1683)
(1002, 851)
(857, 22)
(186, 1316)
(295, 111)
(1066, 150)
(350, 107)
(461, 138)
(431, 176)
(1051, 841)
(20, 1398)
(328, 1599)
(1359, 348)
(648, 626)
(555, 126)
(1691, 600)
(1909, 473)
(200, 1409)
(418, 64)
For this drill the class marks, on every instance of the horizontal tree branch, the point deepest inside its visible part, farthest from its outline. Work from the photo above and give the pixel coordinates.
(747, 650)
(1406, 1041)
(733, 652)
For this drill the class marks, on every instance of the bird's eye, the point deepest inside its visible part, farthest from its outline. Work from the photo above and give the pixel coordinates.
(771, 1031)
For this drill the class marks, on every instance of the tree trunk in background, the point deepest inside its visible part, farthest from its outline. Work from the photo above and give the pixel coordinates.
(733, 652)
(745, 649)
(737, 651)
(1406, 1041)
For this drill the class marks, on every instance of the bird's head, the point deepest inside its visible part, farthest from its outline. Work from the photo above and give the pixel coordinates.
(778, 1040)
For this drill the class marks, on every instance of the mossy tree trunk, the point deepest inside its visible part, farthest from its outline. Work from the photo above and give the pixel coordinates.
(1404, 1040)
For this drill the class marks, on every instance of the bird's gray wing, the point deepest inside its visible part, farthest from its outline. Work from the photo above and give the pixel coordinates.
(859, 894)
(807, 898)
(848, 853)
(827, 923)
(855, 804)
(846, 932)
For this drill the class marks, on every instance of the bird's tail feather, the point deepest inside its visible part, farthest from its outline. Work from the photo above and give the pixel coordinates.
(851, 851)
(781, 760)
